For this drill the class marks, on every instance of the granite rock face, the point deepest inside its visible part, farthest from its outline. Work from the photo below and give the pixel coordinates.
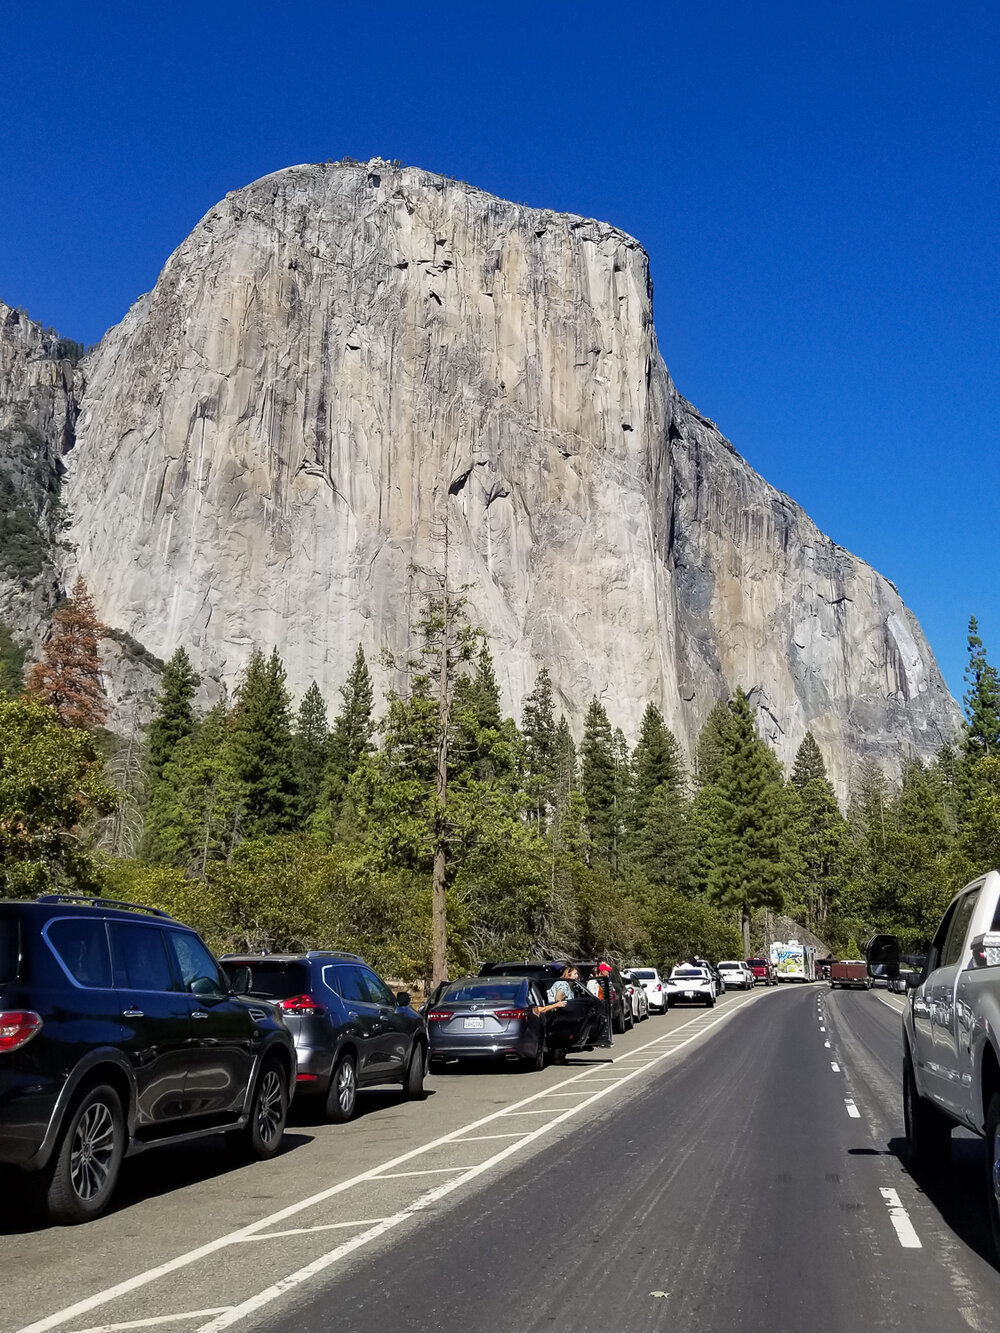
(341, 359)
(37, 414)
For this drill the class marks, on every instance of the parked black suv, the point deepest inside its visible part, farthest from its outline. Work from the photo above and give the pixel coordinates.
(119, 1032)
(350, 1030)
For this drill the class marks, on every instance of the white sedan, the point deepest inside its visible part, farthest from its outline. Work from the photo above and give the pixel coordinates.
(690, 985)
(637, 996)
(736, 974)
(652, 983)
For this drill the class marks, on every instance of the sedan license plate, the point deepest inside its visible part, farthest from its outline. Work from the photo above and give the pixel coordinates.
(689, 995)
(474, 1023)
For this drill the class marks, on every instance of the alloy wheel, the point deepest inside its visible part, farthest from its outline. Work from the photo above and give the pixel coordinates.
(269, 1109)
(346, 1087)
(93, 1151)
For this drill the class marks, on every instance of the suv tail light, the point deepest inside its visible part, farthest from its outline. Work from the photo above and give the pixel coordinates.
(302, 1004)
(658, 986)
(511, 1013)
(16, 1027)
(439, 1015)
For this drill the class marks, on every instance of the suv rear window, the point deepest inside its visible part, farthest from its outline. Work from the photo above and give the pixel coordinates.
(8, 950)
(279, 981)
(485, 991)
(81, 945)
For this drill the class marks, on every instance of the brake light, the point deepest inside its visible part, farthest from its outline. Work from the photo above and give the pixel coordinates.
(305, 1078)
(301, 1004)
(511, 1013)
(658, 986)
(439, 1015)
(16, 1027)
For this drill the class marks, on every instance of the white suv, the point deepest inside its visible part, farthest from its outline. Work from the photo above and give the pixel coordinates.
(736, 973)
(652, 984)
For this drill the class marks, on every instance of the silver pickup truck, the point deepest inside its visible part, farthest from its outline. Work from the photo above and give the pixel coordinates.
(951, 1035)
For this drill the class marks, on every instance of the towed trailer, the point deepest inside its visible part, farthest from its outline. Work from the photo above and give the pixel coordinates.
(850, 972)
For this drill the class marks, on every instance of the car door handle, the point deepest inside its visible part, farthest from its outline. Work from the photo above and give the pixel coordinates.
(133, 1013)
(199, 1013)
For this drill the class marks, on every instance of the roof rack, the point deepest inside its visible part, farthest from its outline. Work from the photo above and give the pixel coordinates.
(100, 902)
(334, 953)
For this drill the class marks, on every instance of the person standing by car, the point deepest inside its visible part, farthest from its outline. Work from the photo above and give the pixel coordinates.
(560, 991)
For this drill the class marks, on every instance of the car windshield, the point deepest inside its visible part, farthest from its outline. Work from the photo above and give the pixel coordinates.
(687, 973)
(485, 993)
(277, 980)
(8, 950)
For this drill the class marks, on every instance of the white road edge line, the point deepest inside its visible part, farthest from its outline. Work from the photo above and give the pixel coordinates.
(156, 1319)
(852, 1110)
(900, 1219)
(896, 1008)
(149, 1275)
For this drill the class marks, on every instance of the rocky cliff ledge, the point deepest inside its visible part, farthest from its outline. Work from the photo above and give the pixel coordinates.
(341, 357)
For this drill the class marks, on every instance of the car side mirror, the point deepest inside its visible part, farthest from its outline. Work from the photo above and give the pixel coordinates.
(986, 950)
(240, 980)
(402, 999)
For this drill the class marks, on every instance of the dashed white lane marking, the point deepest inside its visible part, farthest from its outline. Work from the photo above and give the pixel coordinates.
(827, 1045)
(431, 1171)
(156, 1319)
(900, 1219)
(822, 1029)
(834, 1066)
(231, 1315)
(304, 1231)
(852, 1110)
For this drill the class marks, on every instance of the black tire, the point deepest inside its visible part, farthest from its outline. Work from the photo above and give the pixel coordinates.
(81, 1178)
(928, 1132)
(413, 1084)
(260, 1138)
(711, 1002)
(993, 1167)
(342, 1099)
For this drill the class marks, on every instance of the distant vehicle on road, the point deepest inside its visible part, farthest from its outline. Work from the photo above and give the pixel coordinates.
(119, 1032)
(762, 970)
(850, 972)
(652, 984)
(350, 1030)
(736, 975)
(489, 1017)
(691, 985)
(793, 961)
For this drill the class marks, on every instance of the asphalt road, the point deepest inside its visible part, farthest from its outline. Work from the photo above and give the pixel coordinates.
(740, 1168)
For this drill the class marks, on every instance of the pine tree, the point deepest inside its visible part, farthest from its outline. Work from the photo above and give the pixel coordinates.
(482, 746)
(982, 702)
(260, 742)
(311, 748)
(350, 741)
(751, 851)
(538, 726)
(69, 675)
(822, 836)
(808, 763)
(174, 718)
(657, 758)
(714, 742)
(599, 784)
(565, 770)
(11, 664)
(196, 811)
(662, 846)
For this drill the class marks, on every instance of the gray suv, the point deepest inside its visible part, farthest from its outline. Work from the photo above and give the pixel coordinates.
(350, 1030)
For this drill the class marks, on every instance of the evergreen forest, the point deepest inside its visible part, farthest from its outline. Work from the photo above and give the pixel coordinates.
(367, 824)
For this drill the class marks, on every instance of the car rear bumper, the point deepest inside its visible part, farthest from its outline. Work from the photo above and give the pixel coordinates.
(27, 1106)
(460, 1045)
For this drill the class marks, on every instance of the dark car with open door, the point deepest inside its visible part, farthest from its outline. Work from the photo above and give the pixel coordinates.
(581, 1024)
(493, 1018)
(350, 1030)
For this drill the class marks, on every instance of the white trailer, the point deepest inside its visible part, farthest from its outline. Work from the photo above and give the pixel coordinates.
(793, 961)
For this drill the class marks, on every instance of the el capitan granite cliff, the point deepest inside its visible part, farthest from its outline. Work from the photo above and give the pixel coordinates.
(341, 355)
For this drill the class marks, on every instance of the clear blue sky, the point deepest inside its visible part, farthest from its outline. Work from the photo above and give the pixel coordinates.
(817, 187)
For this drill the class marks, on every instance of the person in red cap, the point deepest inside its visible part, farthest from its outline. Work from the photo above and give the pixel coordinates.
(596, 984)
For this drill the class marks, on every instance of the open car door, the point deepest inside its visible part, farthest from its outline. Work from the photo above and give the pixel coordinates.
(582, 1023)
